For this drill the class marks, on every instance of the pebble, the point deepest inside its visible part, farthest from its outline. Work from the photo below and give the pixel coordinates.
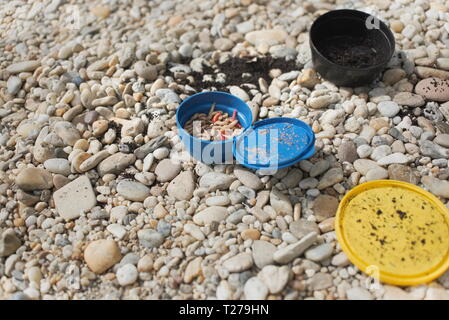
(434, 89)
(146, 71)
(236, 217)
(194, 231)
(292, 251)
(209, 215)
(193, 270)
(248, 179)
(340, 260)
(320, 102)
(30, 179)
(150, 146)
(436, 293)
(436, 186)
(376, 174)
(93, 161)
(321, 281)
(308, 78)
(34, 274)
(9, 242)
(426, 72)
(145, 263)
(101, 12)
(74, 198)
(347, 152)
(280, 202)
(238, 263)
(150, 238)
(247, 192)
(409, 99)
(319, 168)
(392, 76)
(182, 187)
(402, 173)
(388, 108)
(270, 37)
(319, 253)
(167, 170)
(127, 275)
(161, 153)
(325, 206)
(275, 278)
(364, 151)
(117, 230)
(395, 293)
(168, 96)
(365, 165)
(250, 234)
(263, 253)
(102, 254)
(115, 163)
(67, 132)
(239, 93)
(301, 228)
(218, 201)
(255, 289)
(358, 293)
(331, 177)
(132, 190)
(223, 44)
(433, 150)
(308, 183)
(216, 181)
(399, 158)
(293, 178)
(13, 85)
(24, 66)
(380, 151)
(58, 165)
(442, 140)
(132, 127)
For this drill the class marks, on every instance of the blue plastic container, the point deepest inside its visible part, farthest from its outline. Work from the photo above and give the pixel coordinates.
(272, 143)
(275, 143)
(211, 151)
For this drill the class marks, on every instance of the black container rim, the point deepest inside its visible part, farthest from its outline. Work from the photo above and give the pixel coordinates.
(358, 15)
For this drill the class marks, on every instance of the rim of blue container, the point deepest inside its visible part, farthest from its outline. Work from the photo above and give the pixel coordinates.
(306, 153)
(180, 127)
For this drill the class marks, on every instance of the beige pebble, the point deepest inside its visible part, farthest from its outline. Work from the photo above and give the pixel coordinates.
(100, 255)
(252, 234)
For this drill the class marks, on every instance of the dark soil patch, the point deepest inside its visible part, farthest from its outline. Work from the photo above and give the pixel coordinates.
(117, 128)
(357, 52)
(239, 71)
(408, 112)
(132, 146)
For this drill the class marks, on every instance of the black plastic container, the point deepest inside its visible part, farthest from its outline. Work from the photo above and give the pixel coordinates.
(350, 48)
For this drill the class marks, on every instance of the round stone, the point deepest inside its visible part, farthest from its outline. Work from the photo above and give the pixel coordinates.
(167, 169)
(433, 89)
(58, 165)
(388, 108)
(146, 71)
(30, 179)
(100, 255)
(127, 274)
(133, 190)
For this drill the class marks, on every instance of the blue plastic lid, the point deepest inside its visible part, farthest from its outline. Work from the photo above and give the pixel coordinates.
(275, 143)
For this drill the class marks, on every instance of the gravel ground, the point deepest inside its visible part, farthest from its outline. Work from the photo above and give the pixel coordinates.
(92, 207)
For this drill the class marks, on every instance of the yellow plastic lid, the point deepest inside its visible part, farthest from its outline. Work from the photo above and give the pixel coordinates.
(396, 228)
